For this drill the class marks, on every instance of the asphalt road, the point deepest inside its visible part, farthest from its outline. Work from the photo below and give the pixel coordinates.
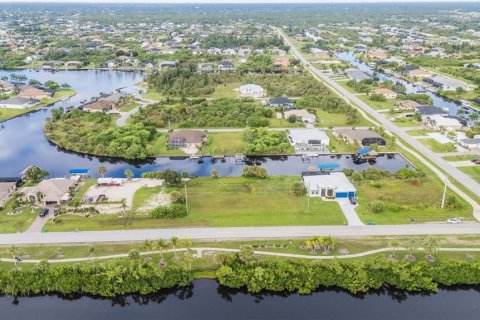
(450, 170)
(240, 233)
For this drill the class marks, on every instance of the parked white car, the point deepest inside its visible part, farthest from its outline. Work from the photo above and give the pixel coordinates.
(454, 221)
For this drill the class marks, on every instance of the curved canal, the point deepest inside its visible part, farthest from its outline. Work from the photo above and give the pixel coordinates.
(205, 299)
(22, 142)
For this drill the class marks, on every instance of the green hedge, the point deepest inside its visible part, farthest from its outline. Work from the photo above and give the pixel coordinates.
(115, 277)
(353, 276)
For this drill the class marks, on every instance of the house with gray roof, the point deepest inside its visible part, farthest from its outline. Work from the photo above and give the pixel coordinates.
(357, 75)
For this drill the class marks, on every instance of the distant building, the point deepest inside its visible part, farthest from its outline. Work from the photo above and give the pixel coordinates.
(357, 75)
(18, 103)
(31, 92)
(406, 105)
(7, 189)
(430, 110)
(360, 48)
(377, 54)
(281, 62)
(437, 121)
(447, 84)
(385, 92)
(281, 102)
(363, 137)
(473, 143)
(302, 114)
(252, 90)
(167, 64)
(186, 139)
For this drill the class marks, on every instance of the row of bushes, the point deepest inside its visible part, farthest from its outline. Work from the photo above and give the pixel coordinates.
(377, 174)
(175, 210)
(115, 277)
(353, 276)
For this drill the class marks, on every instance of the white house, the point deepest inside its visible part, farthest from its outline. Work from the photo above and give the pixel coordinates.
(448, 84)
(308, 139)
(252, 90)
(329, 185)
(438, 121)
(473, 143)
(18, 103)
(303, 114)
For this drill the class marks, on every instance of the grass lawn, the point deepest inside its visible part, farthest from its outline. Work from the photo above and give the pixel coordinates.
(153, 95)
(226, 202)
(420, 132)
(340, 146)
(473, 172)
(142, 195)
(437, 146)
(128, 107)
(467, 157)
(64, 93)
(160, 147)
(344, 85)
(406, 122)
(326, 119)
(225, 91)
(19, 222)
(377, 105)
(421, 203)
(224, 143)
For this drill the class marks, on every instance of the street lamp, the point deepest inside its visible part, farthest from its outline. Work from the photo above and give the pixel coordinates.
(444, 193)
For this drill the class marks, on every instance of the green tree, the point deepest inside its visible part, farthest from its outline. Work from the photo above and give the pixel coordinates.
(128, 173)
(14, 253)
(174, 242)
(102, 170)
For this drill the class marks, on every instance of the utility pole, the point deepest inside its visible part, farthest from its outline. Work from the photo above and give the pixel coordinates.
(444, 194)
(186, 198)
(308, 198)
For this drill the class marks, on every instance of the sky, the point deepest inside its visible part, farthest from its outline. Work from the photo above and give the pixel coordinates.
(232, 1)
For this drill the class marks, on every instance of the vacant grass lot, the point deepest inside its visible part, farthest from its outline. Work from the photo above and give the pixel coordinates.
(226, 202)
(421, 203)
(461, 158)
(473, 172)
(224, 143)
(437, 146)
(420, 132)
(326, 119)
(377, 105)
(227, 90)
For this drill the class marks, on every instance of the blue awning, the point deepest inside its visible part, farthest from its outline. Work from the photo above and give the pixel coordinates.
(364, 150)
(328, 165)
(79, 171)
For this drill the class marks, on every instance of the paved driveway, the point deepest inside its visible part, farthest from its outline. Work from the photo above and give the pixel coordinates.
(349, 212)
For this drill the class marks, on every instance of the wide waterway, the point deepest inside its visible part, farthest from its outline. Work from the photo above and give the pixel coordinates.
(205, 299)
(22, 142)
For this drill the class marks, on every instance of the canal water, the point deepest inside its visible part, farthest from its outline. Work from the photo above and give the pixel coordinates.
(205, 299)
(22, 142)
(437, 100)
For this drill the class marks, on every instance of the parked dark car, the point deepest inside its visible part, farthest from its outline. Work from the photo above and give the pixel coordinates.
(352, 200)
(44, 212)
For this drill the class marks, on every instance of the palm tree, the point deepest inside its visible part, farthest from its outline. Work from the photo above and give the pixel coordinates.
(102, 170)
(174, 242)
(160, 246)
(394, 244)
(328, 244)
(14, 252)
(148, 246)
(412, 246)
(188, 255)
(431, 245)
(128, 173)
